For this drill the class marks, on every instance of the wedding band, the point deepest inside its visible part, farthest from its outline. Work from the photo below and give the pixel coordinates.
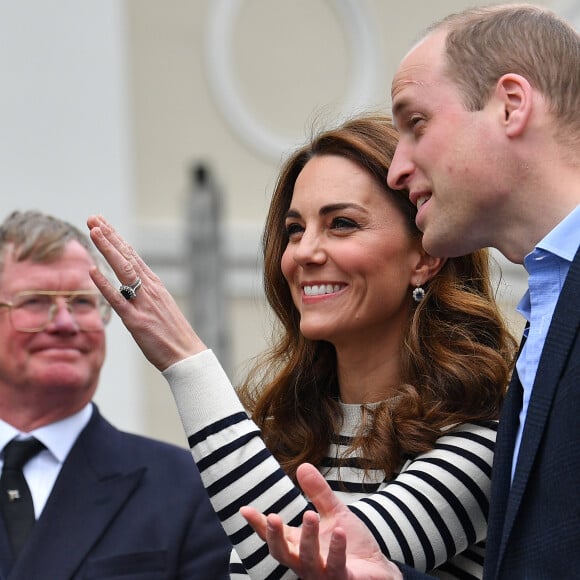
(129, 291)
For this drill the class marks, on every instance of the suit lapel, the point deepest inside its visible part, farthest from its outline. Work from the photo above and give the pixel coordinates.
(501, 473)
(563, 329)
(91, 488)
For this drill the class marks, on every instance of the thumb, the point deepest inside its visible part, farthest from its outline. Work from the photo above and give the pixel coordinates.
(316, 488)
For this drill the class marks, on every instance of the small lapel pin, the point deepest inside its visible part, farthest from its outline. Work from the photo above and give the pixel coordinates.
(13, 494)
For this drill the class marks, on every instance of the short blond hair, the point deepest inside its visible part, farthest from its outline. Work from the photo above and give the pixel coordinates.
(39, 237)
(483, 44)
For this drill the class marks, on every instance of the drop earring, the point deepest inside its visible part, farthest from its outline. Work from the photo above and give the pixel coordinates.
(418, 293)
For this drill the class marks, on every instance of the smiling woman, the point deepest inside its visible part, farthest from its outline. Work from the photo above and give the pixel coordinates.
(349, 263)
(392, 393)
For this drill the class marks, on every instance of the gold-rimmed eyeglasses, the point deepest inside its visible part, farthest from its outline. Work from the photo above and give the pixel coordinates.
(34, 310)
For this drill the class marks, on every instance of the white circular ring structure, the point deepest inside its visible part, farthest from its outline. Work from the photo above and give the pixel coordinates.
(363, 44)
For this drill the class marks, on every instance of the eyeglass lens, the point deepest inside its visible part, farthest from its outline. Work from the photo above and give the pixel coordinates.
(34, 311)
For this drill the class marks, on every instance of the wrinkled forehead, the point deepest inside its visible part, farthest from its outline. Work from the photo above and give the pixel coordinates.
(424, 57)
(67, 270)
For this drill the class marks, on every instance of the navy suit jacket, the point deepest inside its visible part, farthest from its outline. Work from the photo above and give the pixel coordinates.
(123, 507)
(534, 524)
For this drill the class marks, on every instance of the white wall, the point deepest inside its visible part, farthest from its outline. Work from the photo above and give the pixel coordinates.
(64, 138)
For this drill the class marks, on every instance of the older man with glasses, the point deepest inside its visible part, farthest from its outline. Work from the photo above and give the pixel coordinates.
(79, 498)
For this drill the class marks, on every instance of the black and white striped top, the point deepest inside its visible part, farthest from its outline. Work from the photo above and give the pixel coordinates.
(432, 515)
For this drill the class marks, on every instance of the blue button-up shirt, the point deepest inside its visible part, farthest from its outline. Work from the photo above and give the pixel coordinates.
(547, 265)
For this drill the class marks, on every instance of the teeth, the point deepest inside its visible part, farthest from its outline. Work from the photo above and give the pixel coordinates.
(422, 200)
(320, 289)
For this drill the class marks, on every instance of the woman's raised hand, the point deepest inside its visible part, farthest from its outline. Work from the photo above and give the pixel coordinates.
(152, 316)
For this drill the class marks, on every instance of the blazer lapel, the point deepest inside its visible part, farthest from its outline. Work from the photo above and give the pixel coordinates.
(563, 329)
(91, 489)
(501, 473)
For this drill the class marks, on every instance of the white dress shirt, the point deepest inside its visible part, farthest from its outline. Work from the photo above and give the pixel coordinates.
(42, 470)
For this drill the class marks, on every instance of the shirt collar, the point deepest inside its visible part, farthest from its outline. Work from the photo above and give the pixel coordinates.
(58, 437)
(562, 242)
(564, 239)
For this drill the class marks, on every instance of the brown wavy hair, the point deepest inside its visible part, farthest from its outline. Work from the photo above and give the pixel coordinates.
(456, 356)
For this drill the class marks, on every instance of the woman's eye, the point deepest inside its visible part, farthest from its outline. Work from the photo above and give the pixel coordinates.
(342, 223)
(293, 229)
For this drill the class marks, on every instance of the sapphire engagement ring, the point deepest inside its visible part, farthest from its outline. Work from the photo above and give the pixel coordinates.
(129, 291)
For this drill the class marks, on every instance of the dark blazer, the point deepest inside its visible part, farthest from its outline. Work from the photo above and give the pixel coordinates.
(534, 525)
(123, 507)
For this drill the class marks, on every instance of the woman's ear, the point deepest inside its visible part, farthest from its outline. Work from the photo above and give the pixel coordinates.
(516, 97)
(427, 267)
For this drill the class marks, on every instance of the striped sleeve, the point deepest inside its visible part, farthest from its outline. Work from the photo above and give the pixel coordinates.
(434, 509)
(235, 466)
(437, 506)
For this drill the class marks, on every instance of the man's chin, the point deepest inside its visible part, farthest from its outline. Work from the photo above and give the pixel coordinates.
(61, 377)
(442, 246)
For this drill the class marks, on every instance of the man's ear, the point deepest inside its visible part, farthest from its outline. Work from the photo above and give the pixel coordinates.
(516, 96)
(427, 267)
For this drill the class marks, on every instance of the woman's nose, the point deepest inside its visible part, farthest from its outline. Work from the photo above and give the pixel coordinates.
(310, 250)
